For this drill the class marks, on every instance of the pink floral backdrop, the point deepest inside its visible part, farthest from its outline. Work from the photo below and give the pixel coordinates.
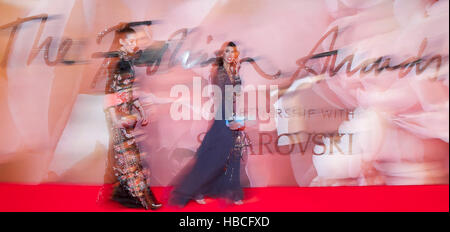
(323, 128)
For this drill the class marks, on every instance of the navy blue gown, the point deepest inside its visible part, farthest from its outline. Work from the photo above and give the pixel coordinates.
(216, 169)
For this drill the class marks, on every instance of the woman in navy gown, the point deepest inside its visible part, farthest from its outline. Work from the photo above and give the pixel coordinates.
(215, 171)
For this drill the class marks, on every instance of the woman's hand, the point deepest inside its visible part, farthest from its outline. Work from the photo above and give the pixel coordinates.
(118, 124)
(234, 125)
(144, 121)
(128, 121)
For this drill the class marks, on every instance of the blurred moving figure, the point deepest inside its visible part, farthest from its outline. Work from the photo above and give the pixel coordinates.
(131, 188)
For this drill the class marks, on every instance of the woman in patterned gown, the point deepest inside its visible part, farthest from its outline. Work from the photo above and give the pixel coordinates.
(130, 188)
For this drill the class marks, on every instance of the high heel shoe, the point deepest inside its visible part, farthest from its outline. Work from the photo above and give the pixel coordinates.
(123, 197)
(201, 201)
(152, 201)
(156, 206)
(239, 202)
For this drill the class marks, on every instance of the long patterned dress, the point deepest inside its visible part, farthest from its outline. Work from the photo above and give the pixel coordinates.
(216, 171)
(131, 188)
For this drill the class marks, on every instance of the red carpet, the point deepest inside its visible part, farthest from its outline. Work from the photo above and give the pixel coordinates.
(46, 197)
